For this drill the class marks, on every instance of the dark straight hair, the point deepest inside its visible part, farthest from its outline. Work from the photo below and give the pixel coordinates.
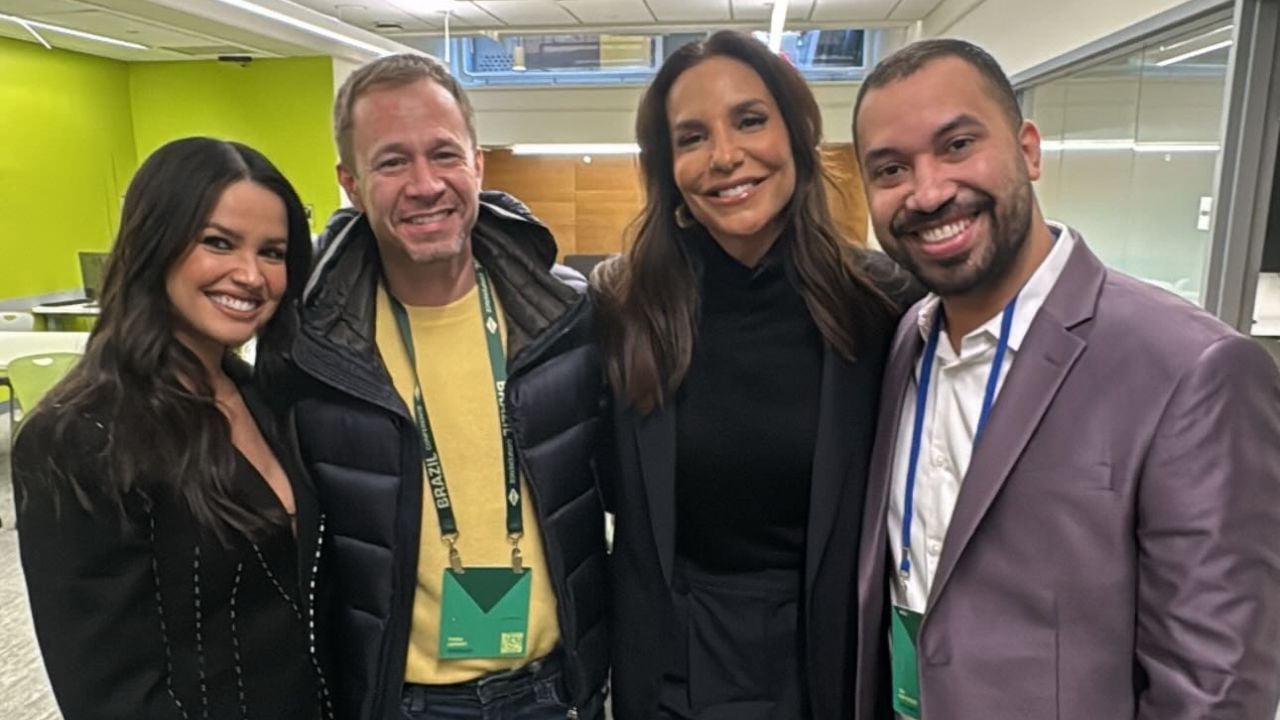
(649, 303)
(149, 392)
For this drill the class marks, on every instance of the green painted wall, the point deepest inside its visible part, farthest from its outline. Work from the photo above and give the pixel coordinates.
(279, 107)
(74, 128)
(66, 156)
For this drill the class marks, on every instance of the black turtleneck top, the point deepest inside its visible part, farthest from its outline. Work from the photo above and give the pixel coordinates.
(747, 416)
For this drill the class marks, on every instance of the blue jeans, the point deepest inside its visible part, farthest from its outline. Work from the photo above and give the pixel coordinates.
(533, 692)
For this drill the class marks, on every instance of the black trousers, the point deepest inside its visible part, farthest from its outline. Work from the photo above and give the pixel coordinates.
(740, 650)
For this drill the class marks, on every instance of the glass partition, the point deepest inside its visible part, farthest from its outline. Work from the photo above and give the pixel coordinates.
(1131, 150)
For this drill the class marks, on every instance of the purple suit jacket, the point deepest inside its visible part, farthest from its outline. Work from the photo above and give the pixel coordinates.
(1115, 549)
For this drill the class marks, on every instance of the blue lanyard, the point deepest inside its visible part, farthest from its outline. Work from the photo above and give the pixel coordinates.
(922, 399)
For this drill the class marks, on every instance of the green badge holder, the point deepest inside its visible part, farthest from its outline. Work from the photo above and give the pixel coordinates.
(906, 674)
(484, 613)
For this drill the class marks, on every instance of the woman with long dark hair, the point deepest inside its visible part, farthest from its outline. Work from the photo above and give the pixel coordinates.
(745, 341)
(156, 505)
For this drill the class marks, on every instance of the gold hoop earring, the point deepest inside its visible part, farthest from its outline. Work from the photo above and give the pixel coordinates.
(684, 220)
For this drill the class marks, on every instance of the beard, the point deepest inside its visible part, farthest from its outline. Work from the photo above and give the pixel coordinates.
(987, 263)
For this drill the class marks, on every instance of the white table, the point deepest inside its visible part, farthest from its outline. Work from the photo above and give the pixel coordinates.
(50, 317)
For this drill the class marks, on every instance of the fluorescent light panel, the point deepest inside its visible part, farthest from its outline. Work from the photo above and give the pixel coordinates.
(1129, 146)
(575, 149)
(1194, 53)
(305, 26)
(28, 24)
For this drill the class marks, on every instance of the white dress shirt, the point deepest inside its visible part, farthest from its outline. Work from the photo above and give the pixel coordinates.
(954, 404)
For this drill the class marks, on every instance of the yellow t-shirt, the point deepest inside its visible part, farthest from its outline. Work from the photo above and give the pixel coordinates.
(457, 386)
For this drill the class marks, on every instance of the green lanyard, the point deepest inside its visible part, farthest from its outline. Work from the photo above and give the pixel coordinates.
(430, 453)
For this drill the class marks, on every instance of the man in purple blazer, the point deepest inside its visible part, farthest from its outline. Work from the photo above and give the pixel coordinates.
(1074, 505)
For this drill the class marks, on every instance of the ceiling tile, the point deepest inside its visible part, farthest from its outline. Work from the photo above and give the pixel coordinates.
(124, 28)
(762, 10)
(472, 15)
(367, 14)
(914, 9)
(686, 11)
(88, 47)
(606, 12)
(26, 8)
(527, 12)
(845, 11)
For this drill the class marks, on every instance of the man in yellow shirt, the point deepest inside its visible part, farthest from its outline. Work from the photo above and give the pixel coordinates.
(446, 402)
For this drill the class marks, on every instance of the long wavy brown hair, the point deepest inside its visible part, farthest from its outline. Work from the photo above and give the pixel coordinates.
(648, 300)
(147, 389)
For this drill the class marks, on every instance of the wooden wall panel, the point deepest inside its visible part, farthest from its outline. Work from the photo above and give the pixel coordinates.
(845, 194)
(590, 206)
(609, 196)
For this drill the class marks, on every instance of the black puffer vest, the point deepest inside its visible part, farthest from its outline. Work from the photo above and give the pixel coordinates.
(360, 446)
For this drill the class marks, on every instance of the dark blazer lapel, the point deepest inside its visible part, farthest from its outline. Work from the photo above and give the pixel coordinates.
(280, 439)
(1048, 353)
(310, 515)
(907, 345)
(656, 447)
(839, 408)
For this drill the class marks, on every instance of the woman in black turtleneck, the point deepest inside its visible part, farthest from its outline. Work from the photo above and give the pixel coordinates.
(744, 340)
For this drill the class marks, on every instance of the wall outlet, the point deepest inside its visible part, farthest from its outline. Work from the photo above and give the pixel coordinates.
(1205, 217)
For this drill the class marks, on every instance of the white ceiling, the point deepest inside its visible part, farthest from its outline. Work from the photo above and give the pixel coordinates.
(203, 29)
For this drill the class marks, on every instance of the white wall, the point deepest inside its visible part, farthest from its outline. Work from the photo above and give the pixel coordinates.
(1024, 33)
(342, 69)
(605, 114)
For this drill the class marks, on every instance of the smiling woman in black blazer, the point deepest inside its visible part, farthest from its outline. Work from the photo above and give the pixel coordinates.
(155, 505)
(745, 341)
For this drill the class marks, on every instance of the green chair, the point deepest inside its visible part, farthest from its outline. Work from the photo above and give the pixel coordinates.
(32, 376)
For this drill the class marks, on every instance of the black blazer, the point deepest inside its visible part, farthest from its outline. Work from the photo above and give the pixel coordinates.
(642, 495)
(140, 613)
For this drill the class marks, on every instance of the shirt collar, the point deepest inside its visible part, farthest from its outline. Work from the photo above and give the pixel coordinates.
(1032, 296)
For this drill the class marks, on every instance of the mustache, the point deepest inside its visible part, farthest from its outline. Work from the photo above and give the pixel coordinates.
(910, 221)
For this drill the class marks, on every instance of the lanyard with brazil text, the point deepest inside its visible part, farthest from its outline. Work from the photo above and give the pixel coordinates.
(431, 454)
(922, 395)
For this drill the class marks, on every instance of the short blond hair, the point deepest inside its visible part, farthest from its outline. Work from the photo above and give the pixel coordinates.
(392, 71)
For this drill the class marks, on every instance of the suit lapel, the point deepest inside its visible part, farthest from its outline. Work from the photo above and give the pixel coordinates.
(907, 346)
(839, 408)
(655, 435)
(284, 447)
(1048, 353)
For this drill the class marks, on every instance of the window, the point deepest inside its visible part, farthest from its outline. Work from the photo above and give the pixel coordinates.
(558, 59)
(584, 59)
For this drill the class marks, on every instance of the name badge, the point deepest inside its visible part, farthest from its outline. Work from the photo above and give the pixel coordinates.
(906, 673)
(484, 613)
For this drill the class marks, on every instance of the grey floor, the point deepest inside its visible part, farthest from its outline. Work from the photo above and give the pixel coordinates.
(24, 689)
